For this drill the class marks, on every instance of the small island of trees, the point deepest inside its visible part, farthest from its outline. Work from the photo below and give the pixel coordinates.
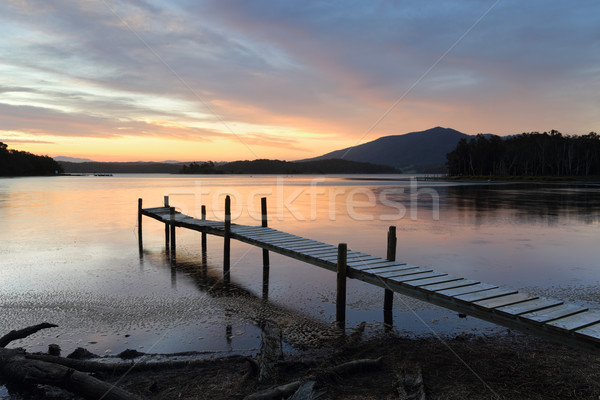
(528, 154)
(21, 163)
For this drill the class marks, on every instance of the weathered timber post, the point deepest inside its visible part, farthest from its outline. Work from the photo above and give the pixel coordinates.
(340, 302)
(388, 300)
(173, 276)
(227, 240)
(204, 238)
(167, 252)
(173, 250)
(203, 208)
(265, 252)
(140, 243)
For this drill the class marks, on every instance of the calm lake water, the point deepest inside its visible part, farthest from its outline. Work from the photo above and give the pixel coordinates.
(69, 254)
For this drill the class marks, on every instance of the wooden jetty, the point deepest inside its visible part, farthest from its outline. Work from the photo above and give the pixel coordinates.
(552, 319)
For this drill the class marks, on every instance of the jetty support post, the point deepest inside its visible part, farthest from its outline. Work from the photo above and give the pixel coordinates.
(140, 243)
(173, 251)
(340, 302)
(388, 300)
(265, 252)
(203, 238)
(167, 251)
(227, 240)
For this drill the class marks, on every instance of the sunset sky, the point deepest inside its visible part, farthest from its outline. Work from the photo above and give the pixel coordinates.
(128, 80)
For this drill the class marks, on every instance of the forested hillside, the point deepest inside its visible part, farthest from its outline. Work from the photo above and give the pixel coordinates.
(330, 166)
(528, 154)
(21, 163)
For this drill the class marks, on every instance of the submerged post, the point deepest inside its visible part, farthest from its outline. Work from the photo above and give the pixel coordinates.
(140, 244)
(227, 239)
(166, 204)
(203, 238)
(340, 302)
(172, 215)
(265, 252)
(388, 299)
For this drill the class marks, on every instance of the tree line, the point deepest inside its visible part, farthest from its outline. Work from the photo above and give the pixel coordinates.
(528, 154)
(263, 166)
(21, 163)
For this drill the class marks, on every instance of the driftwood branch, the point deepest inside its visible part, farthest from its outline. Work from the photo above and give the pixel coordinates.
(121, 367)
(23, 333)
(307, 392)
(341, 370)
(352, 367)
(270, 352)
(278, 392)
(410, 383)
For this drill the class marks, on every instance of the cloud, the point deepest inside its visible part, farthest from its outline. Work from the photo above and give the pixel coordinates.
(21, 141)
(197, 70)
(47, 122)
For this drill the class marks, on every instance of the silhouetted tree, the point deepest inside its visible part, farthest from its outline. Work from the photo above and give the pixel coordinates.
(22, 163)
(528, 154)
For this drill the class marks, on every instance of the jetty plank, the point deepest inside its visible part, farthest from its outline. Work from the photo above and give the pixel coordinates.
(272, 237)
(409, 270)
(552, 313)
(284, 241)
(590, 332)
(509, 299)
(379, 271)
(431, 281)
(322, 252)
(306, 247)
(529, 306)
(374, 264)
(466, 289)
(356, 258)
(576, 321)
(415, 277)
(450, 285)
(484, 294)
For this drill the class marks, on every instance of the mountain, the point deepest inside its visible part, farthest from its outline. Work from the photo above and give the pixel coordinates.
(423, 151)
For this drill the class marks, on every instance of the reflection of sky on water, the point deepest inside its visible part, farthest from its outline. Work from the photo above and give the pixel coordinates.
(69, 253)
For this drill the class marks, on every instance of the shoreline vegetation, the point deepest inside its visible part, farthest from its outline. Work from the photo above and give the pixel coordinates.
(526, 155)
(524, 179)
(264, 166)
(21, 163)
(255, 167)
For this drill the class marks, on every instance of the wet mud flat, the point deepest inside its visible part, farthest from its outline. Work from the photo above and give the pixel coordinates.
(507, 366)
(502, 364)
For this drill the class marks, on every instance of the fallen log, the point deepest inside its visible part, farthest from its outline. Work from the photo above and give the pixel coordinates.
(121, 367)
(17, 368)
(341, 370)
(23, 333)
